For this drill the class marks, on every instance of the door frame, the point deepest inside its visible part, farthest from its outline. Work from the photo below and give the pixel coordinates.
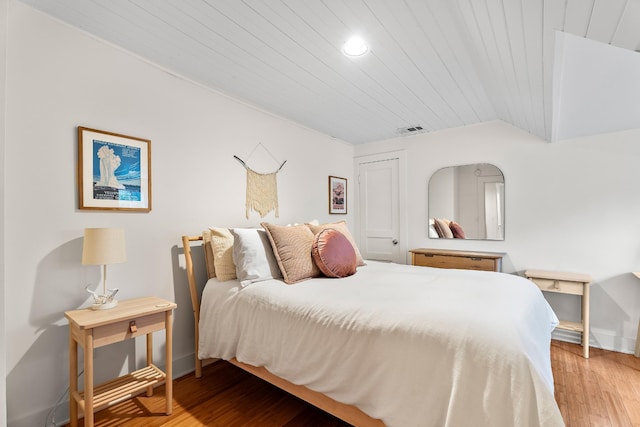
(403, 233)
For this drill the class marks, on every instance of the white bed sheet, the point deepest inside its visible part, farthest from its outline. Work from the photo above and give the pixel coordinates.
(412, 346)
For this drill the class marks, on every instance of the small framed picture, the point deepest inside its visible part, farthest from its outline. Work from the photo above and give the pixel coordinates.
(337, 195)
(114, 171)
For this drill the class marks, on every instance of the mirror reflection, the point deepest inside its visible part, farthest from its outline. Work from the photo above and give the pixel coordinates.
(467, 202)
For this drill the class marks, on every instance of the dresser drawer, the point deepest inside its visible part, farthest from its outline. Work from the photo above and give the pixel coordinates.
(460, 262)
(119, 331)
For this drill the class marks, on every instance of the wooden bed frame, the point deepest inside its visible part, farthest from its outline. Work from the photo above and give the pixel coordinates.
(347, 413)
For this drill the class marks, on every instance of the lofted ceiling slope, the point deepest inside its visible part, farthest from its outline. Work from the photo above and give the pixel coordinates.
(432, 63)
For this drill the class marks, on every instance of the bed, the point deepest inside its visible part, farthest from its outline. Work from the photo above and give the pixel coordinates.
(393, 345)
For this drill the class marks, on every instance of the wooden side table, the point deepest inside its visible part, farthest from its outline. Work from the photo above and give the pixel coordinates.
(466, 260)
(567, 283)
(92, 329)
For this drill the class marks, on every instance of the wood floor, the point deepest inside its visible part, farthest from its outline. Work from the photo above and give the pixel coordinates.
(601, 391)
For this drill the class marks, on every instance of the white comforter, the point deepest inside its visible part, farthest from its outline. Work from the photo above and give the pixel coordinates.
(412, 346)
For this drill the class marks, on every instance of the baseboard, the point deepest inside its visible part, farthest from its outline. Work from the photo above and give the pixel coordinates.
(607, 340)
(598, 339)
(567, 336)
(184, 365)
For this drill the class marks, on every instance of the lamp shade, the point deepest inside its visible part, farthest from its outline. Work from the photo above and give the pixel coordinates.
(103, 246)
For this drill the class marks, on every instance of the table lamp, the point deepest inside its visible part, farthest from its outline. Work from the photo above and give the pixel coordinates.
(103, 246)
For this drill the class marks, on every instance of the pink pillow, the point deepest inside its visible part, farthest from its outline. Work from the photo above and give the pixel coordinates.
(456, 229)
(333, 253)
(341, 226)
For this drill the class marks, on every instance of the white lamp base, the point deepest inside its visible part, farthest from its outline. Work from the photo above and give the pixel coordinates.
(105, 306)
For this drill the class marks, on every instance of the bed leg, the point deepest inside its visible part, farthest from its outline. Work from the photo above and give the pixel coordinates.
(198, 367)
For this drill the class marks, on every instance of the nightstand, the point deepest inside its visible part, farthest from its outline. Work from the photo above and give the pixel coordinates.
(567, 283)
(92, 329)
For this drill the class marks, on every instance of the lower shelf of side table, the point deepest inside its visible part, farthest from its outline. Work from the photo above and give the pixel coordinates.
(122, 388)
(570, 326)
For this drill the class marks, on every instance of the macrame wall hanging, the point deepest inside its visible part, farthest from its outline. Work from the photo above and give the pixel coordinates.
(262, 188)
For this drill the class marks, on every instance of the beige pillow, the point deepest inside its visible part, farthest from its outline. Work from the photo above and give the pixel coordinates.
(442, 225)
(222, 244)
(292, 248)
(208, 254)
(341, 226)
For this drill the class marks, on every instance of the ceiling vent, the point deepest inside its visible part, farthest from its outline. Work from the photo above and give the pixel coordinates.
(411, 130)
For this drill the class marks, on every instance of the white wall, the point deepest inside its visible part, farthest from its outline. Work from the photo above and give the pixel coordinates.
(3, 68)
(60, 78)
(570, 206)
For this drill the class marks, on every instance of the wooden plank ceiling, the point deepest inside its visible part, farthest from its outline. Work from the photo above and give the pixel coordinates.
(433, 63)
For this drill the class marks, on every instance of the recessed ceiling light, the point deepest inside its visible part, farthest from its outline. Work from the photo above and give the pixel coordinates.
(355, 46)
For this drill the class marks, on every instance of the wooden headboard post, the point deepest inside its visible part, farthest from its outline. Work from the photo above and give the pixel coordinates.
(195, 302)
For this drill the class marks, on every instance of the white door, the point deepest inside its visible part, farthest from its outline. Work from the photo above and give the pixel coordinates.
(379, 205)
(493, 195)
(490, 199)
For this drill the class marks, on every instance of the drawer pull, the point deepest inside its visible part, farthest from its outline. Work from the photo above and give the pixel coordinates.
(132, 327)
(475, 259)
(556, 284)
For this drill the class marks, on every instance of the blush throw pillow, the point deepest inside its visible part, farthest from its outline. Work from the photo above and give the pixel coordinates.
(253, 256)
(456, 229)
(292, 248)
(334, 254)
(341, 226)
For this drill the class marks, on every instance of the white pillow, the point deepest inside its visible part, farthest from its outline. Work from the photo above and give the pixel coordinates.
(253, 256)
(432, 229)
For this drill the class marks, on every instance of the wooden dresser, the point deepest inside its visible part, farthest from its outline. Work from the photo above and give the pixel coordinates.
(466, 260)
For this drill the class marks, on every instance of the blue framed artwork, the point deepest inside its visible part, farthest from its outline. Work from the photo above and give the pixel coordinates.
(114, 171)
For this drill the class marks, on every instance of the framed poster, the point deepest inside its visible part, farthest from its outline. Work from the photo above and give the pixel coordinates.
(337, 195)
(114, 171)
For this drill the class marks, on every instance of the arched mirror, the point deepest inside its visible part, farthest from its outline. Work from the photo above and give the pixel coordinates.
(467, 202)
